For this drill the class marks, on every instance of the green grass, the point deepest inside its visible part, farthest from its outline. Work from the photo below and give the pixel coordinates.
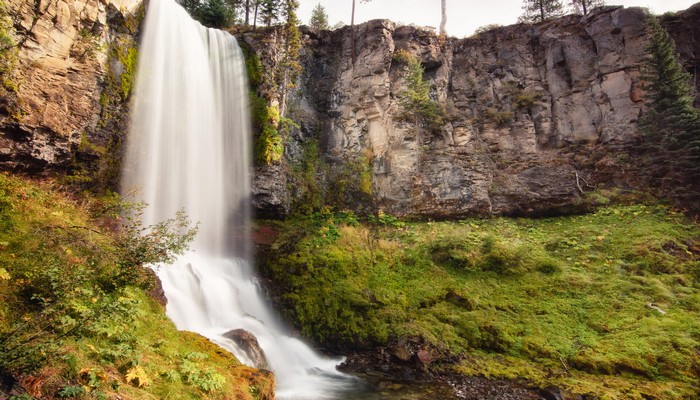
(75, 320)
(566, 301)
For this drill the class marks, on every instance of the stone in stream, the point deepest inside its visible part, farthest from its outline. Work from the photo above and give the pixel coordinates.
(249, 344)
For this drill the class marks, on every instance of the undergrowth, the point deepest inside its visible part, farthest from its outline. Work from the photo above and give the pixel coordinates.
(606, 304)
(75, 320)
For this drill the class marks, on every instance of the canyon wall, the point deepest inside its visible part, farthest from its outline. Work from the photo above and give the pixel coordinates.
(536, 116)
(63, 95)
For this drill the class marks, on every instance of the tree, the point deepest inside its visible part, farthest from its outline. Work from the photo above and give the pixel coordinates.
(211, 13)
(290, 60)
(670, 124)
(215, 14)
(319, 18)
(541, 10)
(352, 30)
(269, 10)
(585, 6)
(443, 21)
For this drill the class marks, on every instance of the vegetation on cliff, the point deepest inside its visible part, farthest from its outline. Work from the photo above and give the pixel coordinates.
(75, 320)
(670, 124)
(603, 304)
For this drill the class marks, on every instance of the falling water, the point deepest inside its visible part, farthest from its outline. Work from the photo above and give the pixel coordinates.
(188, 148)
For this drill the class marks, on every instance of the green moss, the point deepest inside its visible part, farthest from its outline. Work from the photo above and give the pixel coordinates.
(71, 317)
(562, 301)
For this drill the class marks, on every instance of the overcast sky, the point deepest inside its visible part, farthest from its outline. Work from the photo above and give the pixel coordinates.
(463, 16)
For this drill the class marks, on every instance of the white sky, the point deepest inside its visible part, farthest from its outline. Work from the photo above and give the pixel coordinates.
(463, 16)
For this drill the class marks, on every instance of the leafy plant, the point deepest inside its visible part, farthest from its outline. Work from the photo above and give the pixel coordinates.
(415, 99)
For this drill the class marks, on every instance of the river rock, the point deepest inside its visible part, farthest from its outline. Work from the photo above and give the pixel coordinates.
(247, 342)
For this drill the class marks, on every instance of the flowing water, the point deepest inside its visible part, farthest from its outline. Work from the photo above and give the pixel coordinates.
(188, 148)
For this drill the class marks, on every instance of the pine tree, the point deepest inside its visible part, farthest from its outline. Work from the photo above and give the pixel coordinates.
(290, 60)
(541, 10)
(319, 18)
(269, 11)
(670, 124)
(585, 6)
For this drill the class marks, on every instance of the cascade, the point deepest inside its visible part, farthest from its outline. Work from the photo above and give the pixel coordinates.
(188, 148)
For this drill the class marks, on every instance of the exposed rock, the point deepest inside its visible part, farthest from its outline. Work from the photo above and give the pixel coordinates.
(528, 108)
(62, 63)
(247, 342)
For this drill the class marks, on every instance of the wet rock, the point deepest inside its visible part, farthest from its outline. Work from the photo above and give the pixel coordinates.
(552, 393)
(247, 342)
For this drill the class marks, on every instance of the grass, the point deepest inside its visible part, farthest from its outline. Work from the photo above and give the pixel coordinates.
(75, 319)
(572, 301)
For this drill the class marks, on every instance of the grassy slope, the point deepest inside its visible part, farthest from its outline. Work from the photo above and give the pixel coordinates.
(72, 324)
(564, 301)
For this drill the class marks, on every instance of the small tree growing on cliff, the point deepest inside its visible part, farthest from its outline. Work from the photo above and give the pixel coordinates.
(319, 18)
(670, 124)
(585, 6)
(541, 10)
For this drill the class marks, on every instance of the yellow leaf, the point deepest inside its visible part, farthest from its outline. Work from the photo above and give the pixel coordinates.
(4, 275)
(137, 376)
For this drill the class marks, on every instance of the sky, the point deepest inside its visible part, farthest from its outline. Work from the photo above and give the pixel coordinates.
(463, 16)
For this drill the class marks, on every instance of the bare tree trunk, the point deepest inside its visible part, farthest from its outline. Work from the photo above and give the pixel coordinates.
(541, 10)
(443, 22)
(247, 12)
(255, 16)
(352, 33)
(585, 8)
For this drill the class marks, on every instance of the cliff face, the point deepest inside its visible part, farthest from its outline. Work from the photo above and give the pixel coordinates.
(62, 62)
(535, 115)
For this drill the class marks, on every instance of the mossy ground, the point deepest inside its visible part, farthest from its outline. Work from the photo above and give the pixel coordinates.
(75, 324)
(606, 304)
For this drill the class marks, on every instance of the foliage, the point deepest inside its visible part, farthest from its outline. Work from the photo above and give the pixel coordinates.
(74, 318)
(569, 296)
(289, 68)
(541, 10)
(306, 176)
(500, 118)
(319, 18)
(585, 6)
(210, 13)
(486, 28)
(671, 125)
(8, 63)
(415, 99)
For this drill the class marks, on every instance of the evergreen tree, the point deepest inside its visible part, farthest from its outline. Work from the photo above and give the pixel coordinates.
(585, 6)
(290, 60)
(541, 10)
(319, 18)
(269, 11)
(215, 14)
(670, 124)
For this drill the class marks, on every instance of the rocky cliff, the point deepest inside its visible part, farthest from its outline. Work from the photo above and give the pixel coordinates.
(535, 116)
(67, 55)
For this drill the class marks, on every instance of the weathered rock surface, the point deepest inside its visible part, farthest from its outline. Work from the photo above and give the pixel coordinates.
(536, 114)
(247, 342)
(62, 61)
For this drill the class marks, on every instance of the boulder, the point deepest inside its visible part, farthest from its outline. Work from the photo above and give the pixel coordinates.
(248, 343)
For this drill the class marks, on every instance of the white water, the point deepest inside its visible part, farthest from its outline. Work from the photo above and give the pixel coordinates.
(188, 148)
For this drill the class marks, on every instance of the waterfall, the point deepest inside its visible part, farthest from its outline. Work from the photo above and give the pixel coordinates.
(188, 148)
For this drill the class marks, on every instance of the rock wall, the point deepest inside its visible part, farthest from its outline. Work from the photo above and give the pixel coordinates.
(537, 115)
(62, 51)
